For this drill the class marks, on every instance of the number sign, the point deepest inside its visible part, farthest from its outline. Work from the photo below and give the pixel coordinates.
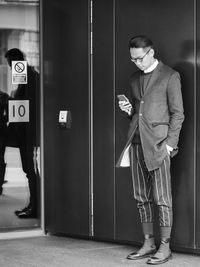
(18, 111)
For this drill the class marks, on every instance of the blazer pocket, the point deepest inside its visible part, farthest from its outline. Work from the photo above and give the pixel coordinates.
(154, 124)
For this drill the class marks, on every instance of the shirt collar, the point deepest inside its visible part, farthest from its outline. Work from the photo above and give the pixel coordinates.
(152, 67)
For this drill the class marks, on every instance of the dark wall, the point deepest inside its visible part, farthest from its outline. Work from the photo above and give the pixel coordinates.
(173, 39)
(66, 151)
(197, 203)
(103, 120)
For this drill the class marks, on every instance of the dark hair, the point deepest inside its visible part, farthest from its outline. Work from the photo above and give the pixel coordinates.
(14, 54)
(140, 41)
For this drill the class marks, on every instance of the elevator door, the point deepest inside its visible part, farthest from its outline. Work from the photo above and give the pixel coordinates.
(66, 88)
(103, 121)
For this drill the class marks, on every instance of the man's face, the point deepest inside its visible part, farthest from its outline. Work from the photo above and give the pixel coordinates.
(142, 57)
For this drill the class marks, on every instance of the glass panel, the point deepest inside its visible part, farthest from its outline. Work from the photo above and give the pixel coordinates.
(19, 115)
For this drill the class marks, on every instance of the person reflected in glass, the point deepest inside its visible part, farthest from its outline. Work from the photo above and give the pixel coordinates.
(3, 136)
(26, 132)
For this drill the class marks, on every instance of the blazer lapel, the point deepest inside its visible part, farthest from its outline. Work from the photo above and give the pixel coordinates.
(141, 85)
(136, 87)
(153, 78)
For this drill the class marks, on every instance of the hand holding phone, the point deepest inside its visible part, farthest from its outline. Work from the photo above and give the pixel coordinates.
(124, 104)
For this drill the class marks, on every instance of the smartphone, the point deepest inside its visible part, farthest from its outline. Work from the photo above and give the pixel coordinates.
(122, 98)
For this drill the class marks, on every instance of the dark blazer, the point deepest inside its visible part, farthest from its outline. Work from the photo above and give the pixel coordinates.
(158, 112)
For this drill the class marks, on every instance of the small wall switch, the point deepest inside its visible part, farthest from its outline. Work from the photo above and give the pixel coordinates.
(65, 118)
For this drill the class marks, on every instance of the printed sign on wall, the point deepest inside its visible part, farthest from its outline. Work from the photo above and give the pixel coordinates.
(18, 111)
(19, 72)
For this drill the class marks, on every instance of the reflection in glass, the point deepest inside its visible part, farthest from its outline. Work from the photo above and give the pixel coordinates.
(19, 30)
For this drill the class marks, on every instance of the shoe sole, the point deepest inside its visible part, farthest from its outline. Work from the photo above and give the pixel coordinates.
(142, 256)
(160, 262)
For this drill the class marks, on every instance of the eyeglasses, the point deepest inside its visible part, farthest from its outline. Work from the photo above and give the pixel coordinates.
(140, 59)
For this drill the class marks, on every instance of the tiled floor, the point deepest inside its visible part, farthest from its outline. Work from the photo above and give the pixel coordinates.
(51, 251)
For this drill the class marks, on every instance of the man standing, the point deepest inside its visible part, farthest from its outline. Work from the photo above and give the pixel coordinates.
(156, 111)
(26, 132)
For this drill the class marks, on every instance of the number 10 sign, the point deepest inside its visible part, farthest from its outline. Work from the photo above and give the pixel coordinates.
(18, 111)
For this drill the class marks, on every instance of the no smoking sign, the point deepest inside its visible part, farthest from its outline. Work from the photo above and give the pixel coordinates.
(19, 72)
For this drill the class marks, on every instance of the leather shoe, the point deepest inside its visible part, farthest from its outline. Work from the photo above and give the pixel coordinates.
(162, 255)
(145, 251)
(137, 256)
(29, 213)
(155, 260)
(22, 210)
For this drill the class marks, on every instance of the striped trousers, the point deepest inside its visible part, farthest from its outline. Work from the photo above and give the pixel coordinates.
(151, 185)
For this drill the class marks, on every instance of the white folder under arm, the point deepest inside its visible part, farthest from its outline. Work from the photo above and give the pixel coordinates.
(125, 162)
